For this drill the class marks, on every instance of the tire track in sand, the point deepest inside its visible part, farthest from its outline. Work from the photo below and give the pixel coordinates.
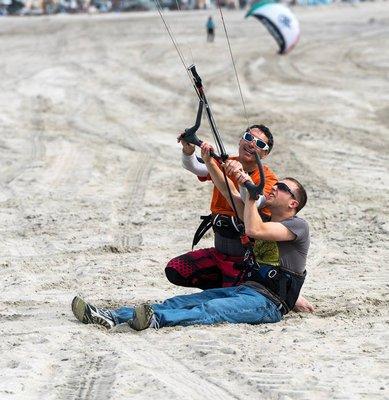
(178, 377)
(137, 179)
(36, 151)
(36, 148)
(98, 357)
(92, 379)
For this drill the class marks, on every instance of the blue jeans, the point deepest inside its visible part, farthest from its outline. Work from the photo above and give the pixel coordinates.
(237, 304)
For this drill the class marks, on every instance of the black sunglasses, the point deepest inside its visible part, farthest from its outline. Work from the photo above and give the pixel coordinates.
(285, 188)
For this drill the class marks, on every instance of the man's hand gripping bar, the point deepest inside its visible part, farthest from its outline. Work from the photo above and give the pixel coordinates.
(190, 135)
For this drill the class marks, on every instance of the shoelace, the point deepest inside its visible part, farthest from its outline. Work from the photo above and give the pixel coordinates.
(102, 315)
(154, 323)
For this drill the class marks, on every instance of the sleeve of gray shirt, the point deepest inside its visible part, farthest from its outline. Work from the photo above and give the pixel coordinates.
(294, 253)
(298, 226)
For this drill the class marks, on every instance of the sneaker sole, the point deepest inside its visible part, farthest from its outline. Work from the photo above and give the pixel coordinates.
(142, 320)
(78, 307)
(87, 315)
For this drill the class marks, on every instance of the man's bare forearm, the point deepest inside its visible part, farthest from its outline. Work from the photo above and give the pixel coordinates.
(220, 182)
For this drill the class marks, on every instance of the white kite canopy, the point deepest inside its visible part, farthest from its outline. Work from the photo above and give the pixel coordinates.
(279, 21)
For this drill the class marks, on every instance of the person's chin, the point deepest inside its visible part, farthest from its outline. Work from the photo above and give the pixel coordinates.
(269, 200)
(247, 157)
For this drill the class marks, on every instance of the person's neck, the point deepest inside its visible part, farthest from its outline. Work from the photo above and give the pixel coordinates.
(249, 167)
(279, 215)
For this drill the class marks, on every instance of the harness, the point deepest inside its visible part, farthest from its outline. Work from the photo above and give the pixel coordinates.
(283, 284)
(225, 226)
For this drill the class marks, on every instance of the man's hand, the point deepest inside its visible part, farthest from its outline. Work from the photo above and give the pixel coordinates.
(232, 167)
(241, 177)
(206, 150)
(187, 148)
(303, 305)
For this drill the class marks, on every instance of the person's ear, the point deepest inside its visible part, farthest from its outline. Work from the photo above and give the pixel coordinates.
(293, 203)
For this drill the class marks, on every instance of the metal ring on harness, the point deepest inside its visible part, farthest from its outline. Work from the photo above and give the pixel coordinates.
(272, 273)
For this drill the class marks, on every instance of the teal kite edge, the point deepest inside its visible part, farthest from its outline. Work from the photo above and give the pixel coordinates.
(259, 4)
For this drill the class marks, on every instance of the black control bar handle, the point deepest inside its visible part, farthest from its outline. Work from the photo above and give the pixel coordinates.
(256, 190)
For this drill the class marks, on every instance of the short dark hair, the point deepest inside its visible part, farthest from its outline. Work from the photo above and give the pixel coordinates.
(301, 195)
(266, 132)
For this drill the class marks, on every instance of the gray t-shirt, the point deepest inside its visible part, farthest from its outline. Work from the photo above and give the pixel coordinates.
(291, 255)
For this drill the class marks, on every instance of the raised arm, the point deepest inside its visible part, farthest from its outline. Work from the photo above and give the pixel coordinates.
(189, 159)
(257, 229)
(192, 164)
(219, 180)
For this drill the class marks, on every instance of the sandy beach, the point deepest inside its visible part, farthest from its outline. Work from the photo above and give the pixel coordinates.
(94, 201)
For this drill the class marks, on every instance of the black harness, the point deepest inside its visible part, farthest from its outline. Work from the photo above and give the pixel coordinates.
(283, 284)
(224, 225)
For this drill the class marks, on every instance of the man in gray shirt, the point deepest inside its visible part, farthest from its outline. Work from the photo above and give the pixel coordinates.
(270, 284)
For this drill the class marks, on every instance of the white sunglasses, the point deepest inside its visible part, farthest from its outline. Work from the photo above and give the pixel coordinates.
(248, 137)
